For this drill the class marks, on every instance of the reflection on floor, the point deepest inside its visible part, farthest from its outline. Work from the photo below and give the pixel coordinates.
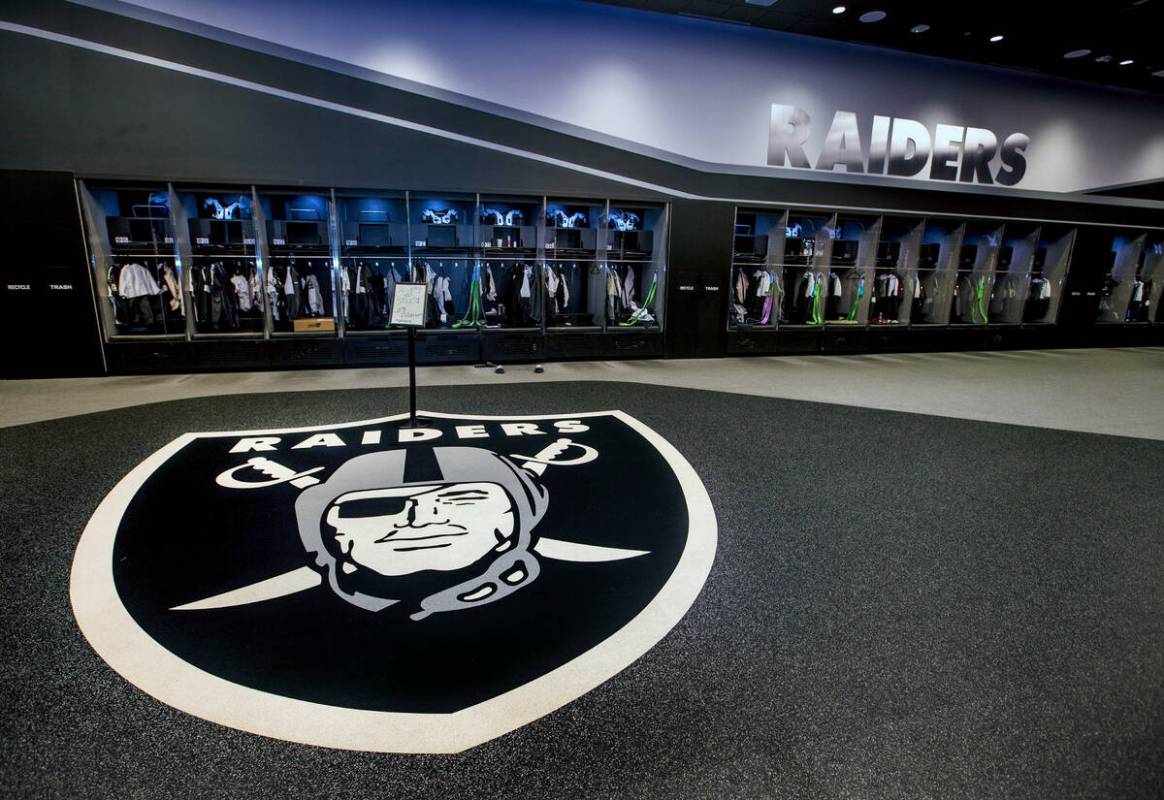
(1114, 391)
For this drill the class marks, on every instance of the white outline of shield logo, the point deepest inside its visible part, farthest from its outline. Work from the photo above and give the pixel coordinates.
(138, 658)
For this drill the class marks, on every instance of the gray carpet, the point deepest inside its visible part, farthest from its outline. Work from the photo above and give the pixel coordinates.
(901, 606)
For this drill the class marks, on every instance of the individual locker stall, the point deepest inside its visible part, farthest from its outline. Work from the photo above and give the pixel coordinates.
(507, 300)
(852, 275)
(807, 236)
(896, 287)
(634, 240)
(1012, 273)
(1120, 279)
(506, 291)
(446, 248)
(977, 261)
(301, 286)
(1048, 278)
(937, 271)
(575, 283)
(137, 269)
(218, 230)
(1149, 282)
(445, 251)
(1155, 261)
(756, 283)
(575, 277)
(373, 257)
(899, 292)
(846, 291)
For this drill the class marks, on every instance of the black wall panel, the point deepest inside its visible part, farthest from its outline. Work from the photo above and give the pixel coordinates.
(46, 300)
(1090, 261)
(700, 254)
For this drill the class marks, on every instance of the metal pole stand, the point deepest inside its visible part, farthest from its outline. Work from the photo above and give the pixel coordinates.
(413, 420)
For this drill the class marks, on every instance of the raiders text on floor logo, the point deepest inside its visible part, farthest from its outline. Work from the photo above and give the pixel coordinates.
(371, 586)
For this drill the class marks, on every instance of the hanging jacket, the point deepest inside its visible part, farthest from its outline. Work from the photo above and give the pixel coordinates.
(552, 282)
(313, 295)
(741, 287)
(563, 295)
(242, 291)
(134, 280)
(628, 288)
(345, 282)
(173, 286)
(490, 285)
(223, 298)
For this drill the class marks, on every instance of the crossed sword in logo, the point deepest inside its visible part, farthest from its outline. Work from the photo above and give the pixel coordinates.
(303, 578)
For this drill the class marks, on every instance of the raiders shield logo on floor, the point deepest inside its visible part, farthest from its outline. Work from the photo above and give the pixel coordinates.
(372, 586)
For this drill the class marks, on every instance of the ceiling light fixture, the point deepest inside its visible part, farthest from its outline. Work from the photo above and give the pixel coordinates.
(1159, 73)
(996, 37)
(839, 9)
(873, 16)
(919, 28)
(1103, 59)
(1077, 53)
(1126, 62)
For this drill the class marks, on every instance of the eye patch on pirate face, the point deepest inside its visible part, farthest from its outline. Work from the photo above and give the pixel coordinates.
(374, 507)
(392, 502)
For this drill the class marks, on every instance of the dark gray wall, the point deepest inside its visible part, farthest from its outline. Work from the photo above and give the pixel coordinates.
(94, 114)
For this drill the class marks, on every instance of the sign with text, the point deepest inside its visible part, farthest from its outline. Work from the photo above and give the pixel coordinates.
(409, 302)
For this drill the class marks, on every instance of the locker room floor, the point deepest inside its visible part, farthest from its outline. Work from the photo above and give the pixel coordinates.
(1113, 390)
(901, 604)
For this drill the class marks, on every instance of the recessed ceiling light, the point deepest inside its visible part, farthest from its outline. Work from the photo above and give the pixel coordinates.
(1103, 59)
(1126, 62)
(839, 9)
(1159, 73)
(919, 28)
(996, 38)
(873, 16)
(1077, 53)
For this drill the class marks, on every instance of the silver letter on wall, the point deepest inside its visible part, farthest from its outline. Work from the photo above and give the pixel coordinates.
(1014, 159)
(842, 145)
(980, 147)
(909, 147)
(789, 130)
(878, 145)
(947, 148)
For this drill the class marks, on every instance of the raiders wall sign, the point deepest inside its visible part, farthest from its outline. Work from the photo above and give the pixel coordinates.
(372, 586)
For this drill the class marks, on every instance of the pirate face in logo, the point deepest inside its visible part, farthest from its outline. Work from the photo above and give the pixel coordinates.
(409, 529)
(442, 528)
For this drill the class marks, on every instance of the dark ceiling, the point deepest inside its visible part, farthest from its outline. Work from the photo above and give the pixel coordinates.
(1036, 35)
